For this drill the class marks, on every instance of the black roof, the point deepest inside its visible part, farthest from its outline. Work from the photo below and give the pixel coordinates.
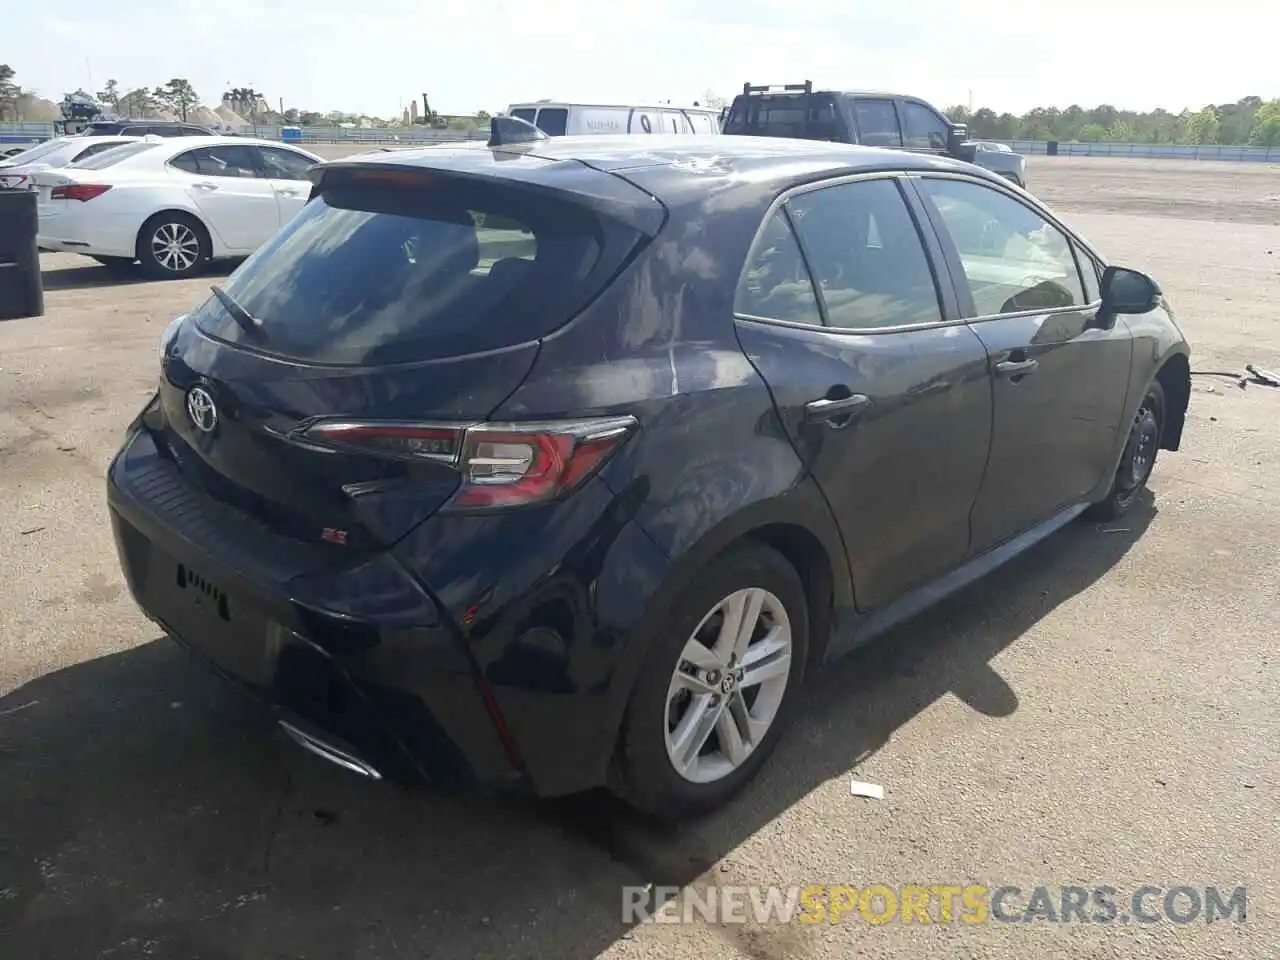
(672, 167)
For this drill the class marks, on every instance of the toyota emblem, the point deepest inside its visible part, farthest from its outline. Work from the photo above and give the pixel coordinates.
(201, 409)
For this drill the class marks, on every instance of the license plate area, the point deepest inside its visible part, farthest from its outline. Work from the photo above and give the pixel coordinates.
(202, 593)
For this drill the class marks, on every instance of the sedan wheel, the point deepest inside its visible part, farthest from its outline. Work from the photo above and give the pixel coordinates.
(171, 247)
(722, 667)
(727, 688)
(1138, 458)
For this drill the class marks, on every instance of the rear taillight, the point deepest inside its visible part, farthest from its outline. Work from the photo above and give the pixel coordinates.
(79, 191)
(501, 464)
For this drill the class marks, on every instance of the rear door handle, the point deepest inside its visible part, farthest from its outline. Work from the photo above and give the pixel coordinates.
(836, 411)
(1016, 368)
(205, 186)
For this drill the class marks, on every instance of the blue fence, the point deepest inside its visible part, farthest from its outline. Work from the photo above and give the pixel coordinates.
(1162, 151)
(34, 132)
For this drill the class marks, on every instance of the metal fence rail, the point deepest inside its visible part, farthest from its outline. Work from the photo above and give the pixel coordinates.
(35, 132)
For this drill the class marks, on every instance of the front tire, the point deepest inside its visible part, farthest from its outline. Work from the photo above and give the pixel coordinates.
(172, 246)
(1138, 459)
(717, 686)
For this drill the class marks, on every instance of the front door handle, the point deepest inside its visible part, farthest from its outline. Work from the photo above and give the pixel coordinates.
(837, 411)
(1016, 368)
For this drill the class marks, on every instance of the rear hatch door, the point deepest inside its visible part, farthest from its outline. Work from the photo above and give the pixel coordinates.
(410, 299)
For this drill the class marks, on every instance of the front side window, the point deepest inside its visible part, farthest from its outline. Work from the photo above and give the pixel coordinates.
(866, 255)
(553, 120)
(1091, 273)
(923, 129)
(776, 285)
(1013, 259)
(877, 123)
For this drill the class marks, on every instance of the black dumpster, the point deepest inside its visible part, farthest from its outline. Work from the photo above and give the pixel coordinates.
(21, 291)
(1051, 148)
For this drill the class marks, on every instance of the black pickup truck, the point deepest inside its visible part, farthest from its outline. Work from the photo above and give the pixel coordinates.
(873, 119)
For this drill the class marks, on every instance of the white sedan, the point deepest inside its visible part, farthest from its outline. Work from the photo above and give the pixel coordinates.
(16, 171)
(172, 203)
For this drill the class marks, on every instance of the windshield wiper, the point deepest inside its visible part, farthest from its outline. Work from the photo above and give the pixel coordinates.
(247, 321)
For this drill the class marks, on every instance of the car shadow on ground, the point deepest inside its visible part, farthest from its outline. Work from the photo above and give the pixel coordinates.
(148, 810)
(96, 275)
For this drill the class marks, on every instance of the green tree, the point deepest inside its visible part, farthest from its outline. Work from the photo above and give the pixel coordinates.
(178, 95)
(1266, 125)
(309, 118)
(110, 95)
(1200, 127)
(138, 103)
(9, 93)
(1122, 132)
(1092, 133)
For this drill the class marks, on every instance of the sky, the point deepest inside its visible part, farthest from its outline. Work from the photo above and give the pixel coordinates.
(374, 56)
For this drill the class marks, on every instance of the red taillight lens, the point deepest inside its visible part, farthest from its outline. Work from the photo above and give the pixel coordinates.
(79, 191)
(502, 465)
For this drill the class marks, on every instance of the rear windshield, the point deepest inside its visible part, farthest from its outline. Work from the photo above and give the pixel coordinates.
(36, 152)
(107, 158)
(386, 274)
(802, 116)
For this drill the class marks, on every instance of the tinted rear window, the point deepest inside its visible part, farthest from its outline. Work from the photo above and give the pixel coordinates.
(803, 116)
(387, 274)
(100, 161)
(35, 153)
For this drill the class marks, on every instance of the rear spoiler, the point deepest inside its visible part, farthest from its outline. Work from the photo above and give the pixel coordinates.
(597, 190)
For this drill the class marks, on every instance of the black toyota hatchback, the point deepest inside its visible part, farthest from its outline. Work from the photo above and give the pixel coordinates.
(561, 464)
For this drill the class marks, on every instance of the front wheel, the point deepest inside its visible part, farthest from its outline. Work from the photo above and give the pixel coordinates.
(717, 686)
(172, 246)
(1138, 459)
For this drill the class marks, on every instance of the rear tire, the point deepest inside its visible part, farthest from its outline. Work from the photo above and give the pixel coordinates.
(172, 246)
(711, 702)
(1138, 459)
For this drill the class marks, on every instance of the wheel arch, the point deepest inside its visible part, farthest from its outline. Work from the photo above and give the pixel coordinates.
(209, 236)
(1174, 377)
(799, 526)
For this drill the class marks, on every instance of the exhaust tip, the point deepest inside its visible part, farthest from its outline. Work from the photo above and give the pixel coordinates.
(326, 750)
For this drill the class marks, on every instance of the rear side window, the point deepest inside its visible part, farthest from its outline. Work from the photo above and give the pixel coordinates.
(225, 161)
(877, 123)
(776, 285)
(553, 120)
(387, 273)
(113, 156)
(866, 255)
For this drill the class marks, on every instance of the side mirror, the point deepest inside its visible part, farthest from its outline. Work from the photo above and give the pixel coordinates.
(1128, 291)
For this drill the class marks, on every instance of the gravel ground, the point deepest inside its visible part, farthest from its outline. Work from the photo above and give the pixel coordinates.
(1103, 712)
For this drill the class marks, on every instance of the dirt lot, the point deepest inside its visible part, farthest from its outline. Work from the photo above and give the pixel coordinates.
(1101, 713)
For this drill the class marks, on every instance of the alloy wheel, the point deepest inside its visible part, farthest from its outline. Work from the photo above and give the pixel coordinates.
(728, 685)
(175, 247)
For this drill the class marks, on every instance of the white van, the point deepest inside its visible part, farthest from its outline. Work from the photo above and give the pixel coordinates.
(573, 119)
